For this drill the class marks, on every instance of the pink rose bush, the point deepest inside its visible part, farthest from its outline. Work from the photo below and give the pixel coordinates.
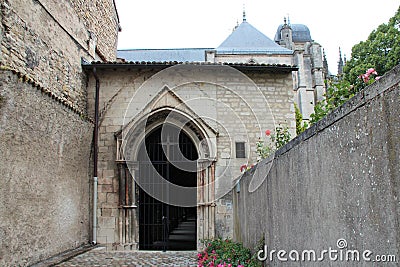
(225, 253)
(367, 75)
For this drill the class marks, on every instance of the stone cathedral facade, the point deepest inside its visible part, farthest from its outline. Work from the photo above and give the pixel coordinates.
(174, 127)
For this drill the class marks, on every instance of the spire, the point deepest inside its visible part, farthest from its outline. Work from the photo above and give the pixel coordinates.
(244, 13)
(286, 22)
(340, 63)
(325, 63)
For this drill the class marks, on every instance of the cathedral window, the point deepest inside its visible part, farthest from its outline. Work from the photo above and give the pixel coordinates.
(240, 150)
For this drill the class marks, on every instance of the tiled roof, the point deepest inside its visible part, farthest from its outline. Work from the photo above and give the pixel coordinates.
(246, 39)
(180, 54)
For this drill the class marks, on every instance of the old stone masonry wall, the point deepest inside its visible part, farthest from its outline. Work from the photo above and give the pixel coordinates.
(44, 185)
(336, 186)
(47, 39)
(45, 130)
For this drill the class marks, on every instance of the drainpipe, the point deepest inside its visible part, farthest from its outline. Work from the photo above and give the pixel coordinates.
(95, 155)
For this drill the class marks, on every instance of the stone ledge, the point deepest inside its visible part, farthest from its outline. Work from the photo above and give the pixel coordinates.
(386, 83)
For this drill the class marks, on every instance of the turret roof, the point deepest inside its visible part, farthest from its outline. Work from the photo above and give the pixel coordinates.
(300, 33)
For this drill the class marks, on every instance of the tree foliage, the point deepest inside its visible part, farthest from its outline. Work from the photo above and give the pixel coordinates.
(380, 51)
(337, 93)
(375, 56)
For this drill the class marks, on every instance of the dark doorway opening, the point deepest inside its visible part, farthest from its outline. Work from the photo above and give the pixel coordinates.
(170, 153)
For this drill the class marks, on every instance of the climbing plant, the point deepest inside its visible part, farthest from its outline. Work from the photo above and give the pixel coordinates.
(301, 125)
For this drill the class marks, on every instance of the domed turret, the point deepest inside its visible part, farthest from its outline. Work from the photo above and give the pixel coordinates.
(300, 33)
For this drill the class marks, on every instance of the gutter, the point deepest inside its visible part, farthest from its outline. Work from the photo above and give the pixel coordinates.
(95, 156)
(166, 64)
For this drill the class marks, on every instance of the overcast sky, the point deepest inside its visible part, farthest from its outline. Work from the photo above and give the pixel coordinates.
(206, 23)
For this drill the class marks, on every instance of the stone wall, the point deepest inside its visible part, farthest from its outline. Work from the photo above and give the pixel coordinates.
(47, 39)
(100, 18)
(45, 146)
(337, 180)
(44, 174)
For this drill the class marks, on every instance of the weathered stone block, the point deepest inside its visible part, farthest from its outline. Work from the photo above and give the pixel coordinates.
(105, 188)
(108, 173)
(106, 222)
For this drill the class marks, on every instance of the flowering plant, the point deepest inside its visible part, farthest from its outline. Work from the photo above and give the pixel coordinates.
(279, 139)
(225, 253)
(367, 78)
(339, 91)
(246, 167)
(266, 148)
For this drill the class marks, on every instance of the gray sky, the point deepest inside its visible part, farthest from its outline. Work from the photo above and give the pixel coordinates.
(206, 23)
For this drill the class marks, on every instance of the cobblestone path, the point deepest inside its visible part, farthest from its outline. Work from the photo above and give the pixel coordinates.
(133, 258)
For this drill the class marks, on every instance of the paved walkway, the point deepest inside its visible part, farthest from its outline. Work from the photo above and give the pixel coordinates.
(100, 257)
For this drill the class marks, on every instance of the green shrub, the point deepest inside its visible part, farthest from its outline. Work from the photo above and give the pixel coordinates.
(281, 136)
(300, 125)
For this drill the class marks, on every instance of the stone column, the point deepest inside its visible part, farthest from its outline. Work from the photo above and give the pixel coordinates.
(127, 219)
(205, 200)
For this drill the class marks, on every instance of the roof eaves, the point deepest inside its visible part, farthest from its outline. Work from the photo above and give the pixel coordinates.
(147, 64)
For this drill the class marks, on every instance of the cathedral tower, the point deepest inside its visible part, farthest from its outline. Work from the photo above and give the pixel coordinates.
(286, 39)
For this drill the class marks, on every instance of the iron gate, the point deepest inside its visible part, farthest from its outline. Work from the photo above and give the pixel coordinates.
(163, 226)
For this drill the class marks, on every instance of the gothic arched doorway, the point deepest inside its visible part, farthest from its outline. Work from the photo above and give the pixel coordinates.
(170, 153)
